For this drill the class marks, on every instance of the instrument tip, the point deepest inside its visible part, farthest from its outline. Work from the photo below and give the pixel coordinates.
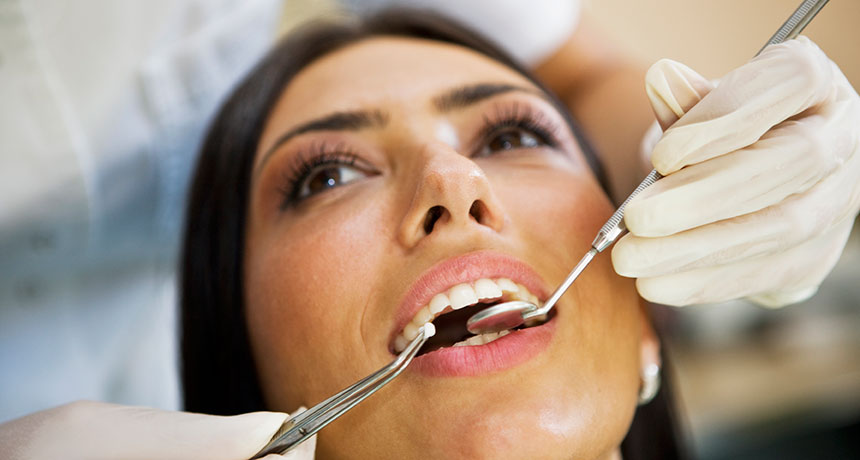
(429, 330)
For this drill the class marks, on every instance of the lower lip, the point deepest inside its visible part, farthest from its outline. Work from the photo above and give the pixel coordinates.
(509, 351)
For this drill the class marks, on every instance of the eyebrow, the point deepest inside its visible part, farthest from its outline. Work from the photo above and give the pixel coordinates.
(457, 98)
(338, 121)
(467, 95)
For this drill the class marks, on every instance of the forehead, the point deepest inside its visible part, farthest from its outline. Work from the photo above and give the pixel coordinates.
(382, 72)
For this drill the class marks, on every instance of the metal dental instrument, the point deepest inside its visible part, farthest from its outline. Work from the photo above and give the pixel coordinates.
(509, 315)
(298, 429)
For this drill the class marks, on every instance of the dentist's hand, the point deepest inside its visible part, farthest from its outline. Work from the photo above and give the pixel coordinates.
(762, 186)
(92, 430)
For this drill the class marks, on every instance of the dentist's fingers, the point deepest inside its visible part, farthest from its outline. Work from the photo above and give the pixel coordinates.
(776, 228)
(93, 430)
(747, 103)
(781, 298)
(763, 278)
(673, 90)
(788, 160)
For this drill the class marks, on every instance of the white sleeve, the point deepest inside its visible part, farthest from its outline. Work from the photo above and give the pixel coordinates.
(530, 31)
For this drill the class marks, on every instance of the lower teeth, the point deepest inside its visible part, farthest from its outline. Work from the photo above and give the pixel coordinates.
(481, 339)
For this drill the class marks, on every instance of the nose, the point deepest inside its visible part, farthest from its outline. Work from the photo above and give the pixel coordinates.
(452, 194)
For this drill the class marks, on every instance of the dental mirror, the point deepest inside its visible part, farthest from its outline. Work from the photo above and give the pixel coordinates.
(500, 317)
(509, 315)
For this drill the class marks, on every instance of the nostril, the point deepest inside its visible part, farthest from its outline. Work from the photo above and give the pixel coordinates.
(478, 211)
(433, 215)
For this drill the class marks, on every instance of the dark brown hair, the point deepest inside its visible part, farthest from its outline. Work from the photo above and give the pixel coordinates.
(218, 370)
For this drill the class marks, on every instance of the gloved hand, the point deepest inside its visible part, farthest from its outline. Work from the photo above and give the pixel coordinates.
(92, 430)
(762, 186)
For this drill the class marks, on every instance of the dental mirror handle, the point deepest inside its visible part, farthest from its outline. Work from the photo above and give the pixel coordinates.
(611, 230)
(614, 227)
(795, 24)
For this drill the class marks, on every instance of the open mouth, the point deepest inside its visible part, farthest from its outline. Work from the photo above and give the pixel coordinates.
(449, 311)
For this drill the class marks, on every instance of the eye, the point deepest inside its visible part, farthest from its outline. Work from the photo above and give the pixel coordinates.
(515, 127)
(327, 176)
(513, 138)
(508, 138)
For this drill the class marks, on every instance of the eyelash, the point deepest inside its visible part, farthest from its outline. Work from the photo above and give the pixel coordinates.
(522, 117)
(308, 161)
(504, 117)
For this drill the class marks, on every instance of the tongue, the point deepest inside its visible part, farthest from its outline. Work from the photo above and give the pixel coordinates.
(451, 328)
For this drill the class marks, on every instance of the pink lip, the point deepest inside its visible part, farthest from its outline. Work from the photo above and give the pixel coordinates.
(463, 269)
(507, 351)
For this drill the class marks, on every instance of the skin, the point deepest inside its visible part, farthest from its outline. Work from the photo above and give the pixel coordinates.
(312, 336)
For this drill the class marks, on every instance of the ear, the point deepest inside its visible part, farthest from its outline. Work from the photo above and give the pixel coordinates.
(649, 347)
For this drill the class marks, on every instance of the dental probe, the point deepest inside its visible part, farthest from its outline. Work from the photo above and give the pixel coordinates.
(301, 427)
(509, 315)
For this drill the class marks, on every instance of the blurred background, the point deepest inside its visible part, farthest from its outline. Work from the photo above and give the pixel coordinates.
(752, 383)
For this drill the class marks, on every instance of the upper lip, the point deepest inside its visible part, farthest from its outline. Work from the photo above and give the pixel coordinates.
(462, 269)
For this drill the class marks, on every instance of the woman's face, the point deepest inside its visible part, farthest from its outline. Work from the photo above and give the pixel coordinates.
(398, 169)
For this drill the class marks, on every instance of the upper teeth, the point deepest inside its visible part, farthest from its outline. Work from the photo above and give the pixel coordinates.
(459, 296)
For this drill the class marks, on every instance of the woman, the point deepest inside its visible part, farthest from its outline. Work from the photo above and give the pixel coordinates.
(398, 171)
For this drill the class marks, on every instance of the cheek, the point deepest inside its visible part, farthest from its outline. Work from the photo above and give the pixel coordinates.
(561, 207)
(307, 283)
(559, 212)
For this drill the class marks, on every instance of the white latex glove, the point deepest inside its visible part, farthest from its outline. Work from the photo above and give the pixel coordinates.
(92, 430)
(762, 186)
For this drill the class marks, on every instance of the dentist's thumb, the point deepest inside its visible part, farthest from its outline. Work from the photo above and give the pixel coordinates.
(673, 89)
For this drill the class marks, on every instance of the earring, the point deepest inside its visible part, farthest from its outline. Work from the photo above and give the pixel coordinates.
(650, 383)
